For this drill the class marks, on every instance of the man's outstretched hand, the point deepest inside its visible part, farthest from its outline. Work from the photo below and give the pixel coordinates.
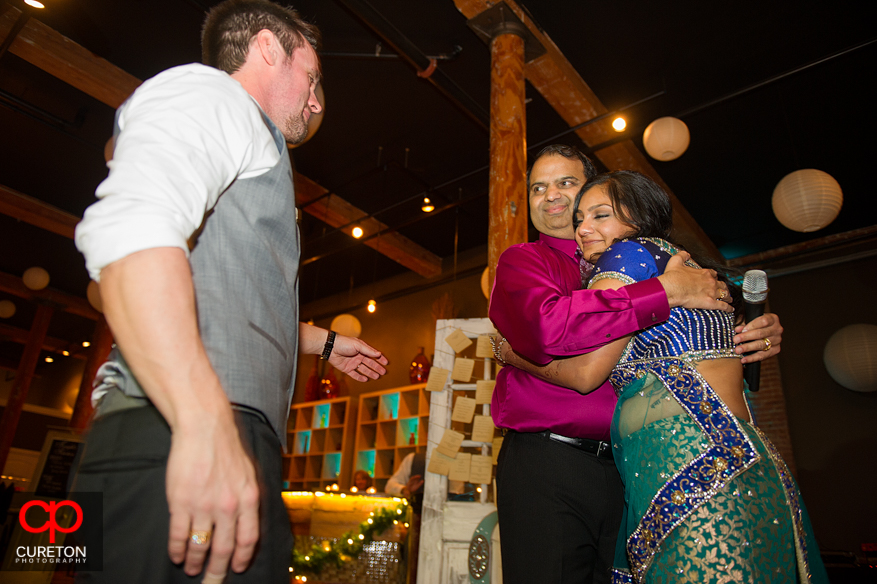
(357, 359)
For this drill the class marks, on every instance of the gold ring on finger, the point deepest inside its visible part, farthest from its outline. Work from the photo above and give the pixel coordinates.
(767, 344)
(200, 536)
(722, 294)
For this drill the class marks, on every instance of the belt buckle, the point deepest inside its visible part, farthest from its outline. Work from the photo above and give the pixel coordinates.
(602, 447)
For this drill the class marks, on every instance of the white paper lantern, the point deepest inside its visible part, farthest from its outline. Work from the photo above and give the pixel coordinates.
(851, 357)
(666, 138)
(807, 200)
(93, 295)
(7, 309)
(347, 325)
(485, 282)
(36, 278)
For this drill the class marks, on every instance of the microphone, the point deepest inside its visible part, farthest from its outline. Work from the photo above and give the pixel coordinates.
(754, 296)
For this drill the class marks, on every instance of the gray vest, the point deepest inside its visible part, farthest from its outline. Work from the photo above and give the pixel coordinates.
(245, 270)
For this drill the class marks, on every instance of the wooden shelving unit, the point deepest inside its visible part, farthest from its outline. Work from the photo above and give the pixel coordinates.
(316, 436)
(392, 423)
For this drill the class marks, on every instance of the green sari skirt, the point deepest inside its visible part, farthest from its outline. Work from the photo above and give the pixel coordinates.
(750, 526)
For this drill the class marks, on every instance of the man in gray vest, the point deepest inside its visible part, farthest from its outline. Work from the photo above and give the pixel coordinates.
(196, 247)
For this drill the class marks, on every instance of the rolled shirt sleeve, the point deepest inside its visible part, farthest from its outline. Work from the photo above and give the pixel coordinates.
(184, 137)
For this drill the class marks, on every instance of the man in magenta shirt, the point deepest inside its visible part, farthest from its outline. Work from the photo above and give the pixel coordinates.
(559, 495)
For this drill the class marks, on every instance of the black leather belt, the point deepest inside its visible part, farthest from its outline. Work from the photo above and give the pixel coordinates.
(596, 447)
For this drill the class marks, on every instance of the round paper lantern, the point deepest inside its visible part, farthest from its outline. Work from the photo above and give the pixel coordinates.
(347, 325)
(93, 295)
(807, 200)
(315, 120)
(485, 282)
(36, 278)
(109, 148)
(666, 138)
(851, 357)
(7, 309)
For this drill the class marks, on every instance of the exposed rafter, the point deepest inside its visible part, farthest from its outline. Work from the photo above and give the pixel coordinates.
(20, 206)
(56, 54)
(18, 335)
(57, 299)
(338, 213)
(565, 90)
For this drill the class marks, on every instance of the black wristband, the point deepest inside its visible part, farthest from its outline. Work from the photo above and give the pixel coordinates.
(327, 348)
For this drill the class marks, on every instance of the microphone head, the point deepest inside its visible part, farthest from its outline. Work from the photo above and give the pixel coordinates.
(755, 286)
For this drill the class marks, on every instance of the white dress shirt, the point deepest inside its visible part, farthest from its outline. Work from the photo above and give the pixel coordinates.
(186, 135)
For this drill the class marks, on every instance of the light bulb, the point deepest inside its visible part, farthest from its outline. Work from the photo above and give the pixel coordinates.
(372, 305)
(427, 205)
(619, 124)
(357, 232)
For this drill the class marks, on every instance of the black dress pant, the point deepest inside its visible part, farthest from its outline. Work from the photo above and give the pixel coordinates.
(125, 459)
(559, 512)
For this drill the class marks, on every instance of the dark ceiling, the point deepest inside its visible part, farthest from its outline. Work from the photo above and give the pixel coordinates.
(389, 138)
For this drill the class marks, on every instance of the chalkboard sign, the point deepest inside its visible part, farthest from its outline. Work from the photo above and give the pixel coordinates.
(58, 458)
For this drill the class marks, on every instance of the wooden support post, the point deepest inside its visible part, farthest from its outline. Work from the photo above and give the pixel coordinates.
(21, 385)
(508, 147)
(101, 343)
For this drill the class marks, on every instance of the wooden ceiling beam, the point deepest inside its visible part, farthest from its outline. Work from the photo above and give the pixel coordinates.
(564, 89)
(17, 335)
(337, 212)
(23, 208)
(56, 54)
(57, 299)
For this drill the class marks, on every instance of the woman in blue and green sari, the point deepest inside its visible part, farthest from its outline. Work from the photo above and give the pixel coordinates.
(707, 496)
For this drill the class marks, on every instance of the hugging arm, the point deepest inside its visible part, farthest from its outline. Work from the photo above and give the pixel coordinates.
(582, 373)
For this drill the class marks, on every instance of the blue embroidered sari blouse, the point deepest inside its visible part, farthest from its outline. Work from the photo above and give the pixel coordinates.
(693, 335)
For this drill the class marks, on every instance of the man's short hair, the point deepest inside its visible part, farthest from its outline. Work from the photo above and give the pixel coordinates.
(570, 152)
(231, 26)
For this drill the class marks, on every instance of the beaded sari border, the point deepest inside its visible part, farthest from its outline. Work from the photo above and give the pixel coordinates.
(793, 500)
(730, 453)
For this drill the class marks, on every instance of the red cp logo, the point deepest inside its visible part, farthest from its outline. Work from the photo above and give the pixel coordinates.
(51, 524)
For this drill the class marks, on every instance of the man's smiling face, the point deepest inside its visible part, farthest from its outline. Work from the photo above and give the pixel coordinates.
(554, 183)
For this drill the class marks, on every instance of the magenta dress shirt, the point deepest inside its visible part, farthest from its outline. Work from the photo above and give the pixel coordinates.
(539, 305)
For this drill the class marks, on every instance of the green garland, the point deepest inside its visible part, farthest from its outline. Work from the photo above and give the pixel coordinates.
(350, 545)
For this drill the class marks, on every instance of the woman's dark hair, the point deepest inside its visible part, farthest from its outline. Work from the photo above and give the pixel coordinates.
(638, 201)
(641, 203)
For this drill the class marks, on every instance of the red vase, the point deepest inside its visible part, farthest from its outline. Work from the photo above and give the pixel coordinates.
(312, 388)
(329, 385)
(419, 370)
(321, 384)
